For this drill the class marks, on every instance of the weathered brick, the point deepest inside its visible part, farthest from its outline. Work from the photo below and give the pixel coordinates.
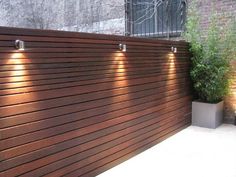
(226, 11)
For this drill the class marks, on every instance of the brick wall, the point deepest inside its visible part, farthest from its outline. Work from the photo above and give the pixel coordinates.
(226, 10)
(230, 101)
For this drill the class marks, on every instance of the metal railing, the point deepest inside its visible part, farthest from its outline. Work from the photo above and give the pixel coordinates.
(155, 18)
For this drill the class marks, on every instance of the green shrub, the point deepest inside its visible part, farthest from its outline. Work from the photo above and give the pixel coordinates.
(211, 57)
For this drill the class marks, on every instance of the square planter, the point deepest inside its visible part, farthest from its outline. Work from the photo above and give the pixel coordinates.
(206, 114)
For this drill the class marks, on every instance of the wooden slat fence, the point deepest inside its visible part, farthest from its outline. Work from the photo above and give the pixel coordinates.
(73, 104)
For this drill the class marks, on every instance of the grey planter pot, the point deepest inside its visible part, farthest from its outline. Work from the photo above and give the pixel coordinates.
(207, 115)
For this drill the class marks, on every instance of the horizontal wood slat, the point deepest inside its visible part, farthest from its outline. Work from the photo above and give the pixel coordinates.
(72, 104)
(149, 119)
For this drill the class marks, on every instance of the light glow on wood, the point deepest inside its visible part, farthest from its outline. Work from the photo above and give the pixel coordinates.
(18, 68)
(119, 62)
(171, 67)
(120, 72)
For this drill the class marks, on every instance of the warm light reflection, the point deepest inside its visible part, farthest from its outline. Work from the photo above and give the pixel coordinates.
(119, 69)
(17, 82)
(231, 99)
(17, 56)
(170, 71)
(18, 69)
(171, 65)
(119, 64)
(234, 100)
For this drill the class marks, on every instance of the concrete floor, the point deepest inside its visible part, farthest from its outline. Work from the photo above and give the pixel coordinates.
(193, 152)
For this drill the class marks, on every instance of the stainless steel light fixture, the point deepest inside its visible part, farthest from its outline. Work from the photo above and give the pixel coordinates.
(123, 47)
(174, 49)
(19, 44)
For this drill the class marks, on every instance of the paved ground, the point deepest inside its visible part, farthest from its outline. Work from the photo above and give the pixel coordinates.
(193, 152)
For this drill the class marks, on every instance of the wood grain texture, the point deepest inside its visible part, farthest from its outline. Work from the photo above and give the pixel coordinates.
(72, 104)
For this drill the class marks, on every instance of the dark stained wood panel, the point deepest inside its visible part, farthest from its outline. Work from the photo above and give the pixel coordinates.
(72, 104)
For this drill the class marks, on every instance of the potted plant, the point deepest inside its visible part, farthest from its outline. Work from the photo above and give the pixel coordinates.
(211, 55)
